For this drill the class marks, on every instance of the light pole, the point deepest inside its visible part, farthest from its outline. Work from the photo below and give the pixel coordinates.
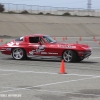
(89, 4)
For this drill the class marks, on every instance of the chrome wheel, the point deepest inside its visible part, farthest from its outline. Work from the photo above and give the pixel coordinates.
(70, 56)
(67, 56)
(18, 53)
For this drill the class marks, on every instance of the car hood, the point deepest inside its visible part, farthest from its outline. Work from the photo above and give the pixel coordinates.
(73, 46)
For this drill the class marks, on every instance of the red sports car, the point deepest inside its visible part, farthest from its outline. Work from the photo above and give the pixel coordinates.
(43, 46)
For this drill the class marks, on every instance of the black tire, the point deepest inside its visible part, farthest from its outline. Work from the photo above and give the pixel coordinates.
(79, 59)
(18, 54)
(69, 56)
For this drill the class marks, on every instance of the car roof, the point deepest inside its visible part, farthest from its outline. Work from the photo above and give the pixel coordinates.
(36, 35)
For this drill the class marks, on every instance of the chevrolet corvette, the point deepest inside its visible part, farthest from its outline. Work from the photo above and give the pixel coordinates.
(43, 46)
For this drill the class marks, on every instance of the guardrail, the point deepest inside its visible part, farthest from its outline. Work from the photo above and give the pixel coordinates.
(36, 9)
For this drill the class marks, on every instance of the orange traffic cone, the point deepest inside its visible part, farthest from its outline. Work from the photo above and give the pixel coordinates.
(63, 38)
(1, 40)
(99, 43)
(62, 68)
(54, 38)
(94, 37)
(87, 45)
(80, 38)
(76, 42)
(94, 40)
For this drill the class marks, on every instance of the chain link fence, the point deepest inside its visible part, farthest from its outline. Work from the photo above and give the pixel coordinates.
(36, 9)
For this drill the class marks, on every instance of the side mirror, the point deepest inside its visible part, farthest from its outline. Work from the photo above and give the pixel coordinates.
(39, 43)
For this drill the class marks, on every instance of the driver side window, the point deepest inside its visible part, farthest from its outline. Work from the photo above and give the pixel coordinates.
(35, 40)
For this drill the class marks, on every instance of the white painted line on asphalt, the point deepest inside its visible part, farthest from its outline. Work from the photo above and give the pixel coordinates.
(94, 57)
(6, 74)
(88, 41)
(45, 73)
(5, 87)
(76, 37)
(62, 92)
(95, 47)
(49, 84)
(65, 82)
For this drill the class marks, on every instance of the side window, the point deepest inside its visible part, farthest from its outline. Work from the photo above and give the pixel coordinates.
(19, 39)
(33, 39)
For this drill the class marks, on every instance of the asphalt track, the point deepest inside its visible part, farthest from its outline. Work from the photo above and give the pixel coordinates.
(40, 79)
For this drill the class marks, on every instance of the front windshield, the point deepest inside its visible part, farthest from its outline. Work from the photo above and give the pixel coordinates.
(49, 39)
(19, 39)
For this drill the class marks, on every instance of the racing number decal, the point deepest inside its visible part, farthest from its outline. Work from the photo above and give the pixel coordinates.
(40, 48)
(37, 50)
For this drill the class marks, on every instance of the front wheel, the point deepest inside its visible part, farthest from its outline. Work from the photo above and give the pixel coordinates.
(79, 59)
(18, 53)
(69, 56)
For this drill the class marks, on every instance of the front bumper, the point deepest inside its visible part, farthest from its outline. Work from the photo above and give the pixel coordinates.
(85, 54)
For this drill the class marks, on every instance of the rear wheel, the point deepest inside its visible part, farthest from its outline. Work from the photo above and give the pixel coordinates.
(18, 53)
(69, 56)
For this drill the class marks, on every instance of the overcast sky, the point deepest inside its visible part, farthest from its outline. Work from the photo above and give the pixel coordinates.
(57, 3)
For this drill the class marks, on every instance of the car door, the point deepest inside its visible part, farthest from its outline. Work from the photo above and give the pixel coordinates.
(37, 47)
(53, 50)
(52, 46)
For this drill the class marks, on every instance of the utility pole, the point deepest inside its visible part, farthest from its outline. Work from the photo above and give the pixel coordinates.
(89, 5)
